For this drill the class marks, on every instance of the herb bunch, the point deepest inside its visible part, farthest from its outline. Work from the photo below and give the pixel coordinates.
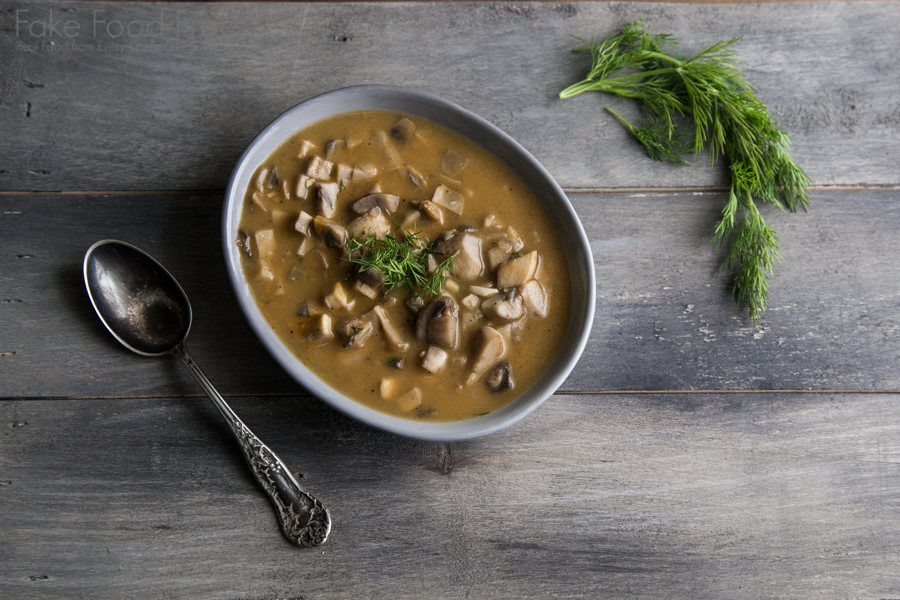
(728, 120)
(404, 262)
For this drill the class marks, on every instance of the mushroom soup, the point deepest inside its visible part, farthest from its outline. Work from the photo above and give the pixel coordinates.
(405, 265)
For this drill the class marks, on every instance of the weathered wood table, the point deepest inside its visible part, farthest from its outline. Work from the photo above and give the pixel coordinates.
(688, 455)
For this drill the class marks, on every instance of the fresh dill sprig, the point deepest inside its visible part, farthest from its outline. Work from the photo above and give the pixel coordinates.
(404, 262)
(656, 139)
(728, 120)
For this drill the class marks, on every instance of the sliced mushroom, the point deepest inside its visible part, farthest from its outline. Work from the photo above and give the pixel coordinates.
(387, 203)
(326, 199)
(492, 222)
(364, 172)
(405, 402)
(434, 359)
(470, 318)
(504, 307)
(344, 173)
(308, 243)
(331, 233)
(337, 297)
(332, 146)
(261, 180)
(518, 271)
(265, 272)
(410, 400)
(415, 304)
(432, 211)
(438, 323)
(354, 332)
(373, 222)
(390, 152)
(393, 337)
(483, 291)
(499, 254)
(319, 168)
(320, 329)
(472, 302)
(431, 264)
(303, 224)
(468, 264)
(274, 180)
(372, 277)
(500, 377)
(452, 164)
(513, 236)
(449, 199)
(265, 242)
(489, 347)
(418, 180)
(305, 148)
(243, 242)
(362, 288)
(316, 260)
(403, 130)
(303, 184)
(257, 200)
(388, 387)
(537, 299)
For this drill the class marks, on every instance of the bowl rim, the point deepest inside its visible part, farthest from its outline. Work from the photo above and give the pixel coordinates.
(487, 135)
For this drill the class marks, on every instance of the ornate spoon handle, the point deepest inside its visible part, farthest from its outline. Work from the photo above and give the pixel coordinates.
(304, 520)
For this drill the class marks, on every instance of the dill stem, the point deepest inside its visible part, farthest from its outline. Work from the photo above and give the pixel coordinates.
(664, 57)
(619, 117)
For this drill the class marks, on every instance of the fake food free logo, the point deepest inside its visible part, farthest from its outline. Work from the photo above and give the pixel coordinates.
(96, 31)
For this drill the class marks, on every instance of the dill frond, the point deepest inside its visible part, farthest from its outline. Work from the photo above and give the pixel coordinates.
(404, 261)
(728, 121)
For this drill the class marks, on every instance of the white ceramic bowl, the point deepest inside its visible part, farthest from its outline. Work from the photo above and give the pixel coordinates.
(458, 119)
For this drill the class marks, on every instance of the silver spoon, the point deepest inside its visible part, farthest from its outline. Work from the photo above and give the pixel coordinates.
(143, 306)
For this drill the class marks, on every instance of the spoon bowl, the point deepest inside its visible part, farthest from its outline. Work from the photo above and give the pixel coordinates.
(139, 302)
(143, 306)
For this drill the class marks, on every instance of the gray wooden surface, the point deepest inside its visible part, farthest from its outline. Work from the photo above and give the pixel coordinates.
(665, 319)
(175, 110)
(688, 455)
(593, 497)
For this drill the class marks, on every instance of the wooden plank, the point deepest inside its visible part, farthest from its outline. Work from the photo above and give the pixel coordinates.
(51, 327)
(172, 106)
(700, 496)
(665, 318)
(664, 321)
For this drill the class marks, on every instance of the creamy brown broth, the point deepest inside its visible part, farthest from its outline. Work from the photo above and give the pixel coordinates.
(294, 275)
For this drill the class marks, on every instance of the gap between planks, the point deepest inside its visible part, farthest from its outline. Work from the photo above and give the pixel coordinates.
(636, 190)
(509, 1)
(557, 393)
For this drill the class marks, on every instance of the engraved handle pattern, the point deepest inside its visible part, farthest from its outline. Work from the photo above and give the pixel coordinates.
(304, 520)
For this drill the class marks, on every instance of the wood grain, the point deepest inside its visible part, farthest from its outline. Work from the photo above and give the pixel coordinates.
(174, 111)
(591, 497)
(665, 319)
(768, 468)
